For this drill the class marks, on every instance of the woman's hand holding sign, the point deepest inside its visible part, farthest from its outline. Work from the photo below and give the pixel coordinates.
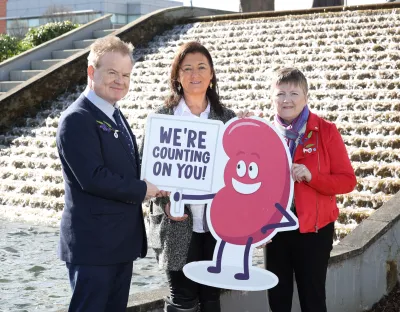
(301, 173)
(167, 212)
(247, 113)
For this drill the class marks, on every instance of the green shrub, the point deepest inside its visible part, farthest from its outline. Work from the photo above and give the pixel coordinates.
(9, 46)
(24, 45)
(38, 35)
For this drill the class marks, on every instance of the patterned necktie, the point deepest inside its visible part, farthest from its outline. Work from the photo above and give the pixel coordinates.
(124, 132)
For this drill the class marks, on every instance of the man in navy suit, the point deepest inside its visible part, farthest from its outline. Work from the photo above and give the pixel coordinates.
(102, 229)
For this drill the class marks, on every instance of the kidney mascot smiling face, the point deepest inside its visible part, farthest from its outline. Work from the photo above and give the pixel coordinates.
(256, 178)
(257, 191)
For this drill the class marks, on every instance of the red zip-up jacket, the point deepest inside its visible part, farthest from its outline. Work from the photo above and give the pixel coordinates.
(323, 152)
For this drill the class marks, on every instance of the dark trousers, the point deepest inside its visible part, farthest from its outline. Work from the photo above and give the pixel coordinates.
(306, 255)
(99, 288)
(184, 292)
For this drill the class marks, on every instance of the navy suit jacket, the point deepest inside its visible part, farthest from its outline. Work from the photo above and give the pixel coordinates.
(102, 222)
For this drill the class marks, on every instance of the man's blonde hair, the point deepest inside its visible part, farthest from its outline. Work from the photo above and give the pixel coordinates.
(107, 44)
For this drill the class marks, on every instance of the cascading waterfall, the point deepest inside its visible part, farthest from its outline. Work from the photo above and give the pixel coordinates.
(352, 61)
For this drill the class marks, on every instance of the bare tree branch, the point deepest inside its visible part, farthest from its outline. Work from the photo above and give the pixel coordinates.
(256, 5)
(18, 28)
(53, 13)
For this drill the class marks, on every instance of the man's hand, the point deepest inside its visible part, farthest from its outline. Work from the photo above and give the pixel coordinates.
(163, 193)
(152, 190)
(168, 212)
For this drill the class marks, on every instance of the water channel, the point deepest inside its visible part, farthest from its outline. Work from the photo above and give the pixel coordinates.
(32, 278)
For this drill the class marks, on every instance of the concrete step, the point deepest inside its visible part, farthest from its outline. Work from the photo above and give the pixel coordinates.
(2, 93)
(44, 64)
(8, 85)
(102, 33)
(82, 44)
(63, 54)
(22, 75)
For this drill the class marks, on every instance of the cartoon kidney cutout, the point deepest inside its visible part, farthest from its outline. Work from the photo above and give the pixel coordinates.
(250, 207)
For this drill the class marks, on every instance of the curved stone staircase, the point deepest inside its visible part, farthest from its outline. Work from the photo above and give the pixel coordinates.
(352, 62)
(19, 69)
(16, 77)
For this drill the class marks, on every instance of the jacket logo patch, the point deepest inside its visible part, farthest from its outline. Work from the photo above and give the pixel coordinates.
(309, 148)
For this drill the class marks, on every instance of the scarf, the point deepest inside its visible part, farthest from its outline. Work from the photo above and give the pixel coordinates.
(293, 132)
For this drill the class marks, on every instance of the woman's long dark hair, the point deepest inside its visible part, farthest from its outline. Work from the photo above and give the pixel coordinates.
(175, 94)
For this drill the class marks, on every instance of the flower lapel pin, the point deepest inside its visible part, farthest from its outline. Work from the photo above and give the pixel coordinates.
(106, 127)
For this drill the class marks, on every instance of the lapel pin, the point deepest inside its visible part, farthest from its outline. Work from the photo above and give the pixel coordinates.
(107, 128)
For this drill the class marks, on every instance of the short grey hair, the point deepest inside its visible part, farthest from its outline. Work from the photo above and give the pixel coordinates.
(107, 44)
(290, 75)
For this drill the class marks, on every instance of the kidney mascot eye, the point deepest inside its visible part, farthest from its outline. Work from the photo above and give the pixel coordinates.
(253, 170)
(241, 168)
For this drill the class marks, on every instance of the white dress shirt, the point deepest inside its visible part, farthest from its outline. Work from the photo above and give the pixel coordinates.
(197, 210)
(106, 107)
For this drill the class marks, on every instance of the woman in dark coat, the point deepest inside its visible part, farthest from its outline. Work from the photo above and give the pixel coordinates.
(178, 241)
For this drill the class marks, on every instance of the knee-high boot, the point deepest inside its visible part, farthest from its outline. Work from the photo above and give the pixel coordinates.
(210, 306)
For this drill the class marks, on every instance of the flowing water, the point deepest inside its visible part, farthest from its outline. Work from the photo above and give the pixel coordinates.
(32, 278)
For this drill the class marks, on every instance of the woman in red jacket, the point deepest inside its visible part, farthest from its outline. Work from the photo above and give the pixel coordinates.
(321, 169)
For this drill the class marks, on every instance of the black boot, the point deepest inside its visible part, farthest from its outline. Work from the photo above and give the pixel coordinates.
(171, 307)
(210, 306)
